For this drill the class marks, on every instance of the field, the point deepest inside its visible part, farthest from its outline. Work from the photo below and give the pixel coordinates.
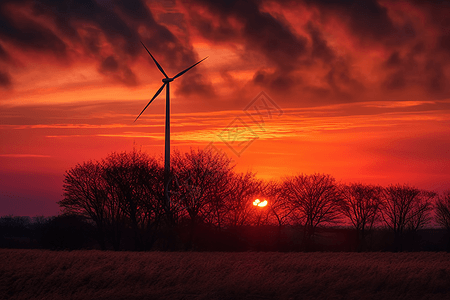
(39, 274)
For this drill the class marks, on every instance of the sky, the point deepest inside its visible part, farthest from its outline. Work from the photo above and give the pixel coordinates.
(355, 89)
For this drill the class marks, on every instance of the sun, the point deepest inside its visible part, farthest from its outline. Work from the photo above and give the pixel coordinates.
(258, 202)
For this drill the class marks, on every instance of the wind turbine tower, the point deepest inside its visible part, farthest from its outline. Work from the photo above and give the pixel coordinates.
(166, 83)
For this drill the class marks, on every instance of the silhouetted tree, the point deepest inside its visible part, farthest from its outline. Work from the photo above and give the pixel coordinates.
(443, 210)
(443, 214)
(243, 188)
(280, 209)
(361, 205)
(405, 208)
(278, 213)
(135, 180)
(217, 207)
(86, 194)
(14, 226)
(201, 184)
(200, 176)
(67, 232)
(121, 191)
(317, 199)
(13, 229)
(39, 225)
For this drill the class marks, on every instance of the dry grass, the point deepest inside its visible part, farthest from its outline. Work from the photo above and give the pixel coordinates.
(36, 274)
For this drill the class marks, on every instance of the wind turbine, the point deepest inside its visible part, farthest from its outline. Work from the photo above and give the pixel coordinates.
(166, 83)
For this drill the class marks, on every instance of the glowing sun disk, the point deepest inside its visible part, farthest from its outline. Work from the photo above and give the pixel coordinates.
(257, 202)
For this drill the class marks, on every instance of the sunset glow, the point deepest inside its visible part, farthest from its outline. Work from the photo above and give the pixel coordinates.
(260, 203)
(355, 89)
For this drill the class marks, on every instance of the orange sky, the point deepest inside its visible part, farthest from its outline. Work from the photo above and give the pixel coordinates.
(357, 90)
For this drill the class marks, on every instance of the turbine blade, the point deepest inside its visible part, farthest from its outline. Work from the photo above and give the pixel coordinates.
(157, 64)
(156, 95)
(182, 72)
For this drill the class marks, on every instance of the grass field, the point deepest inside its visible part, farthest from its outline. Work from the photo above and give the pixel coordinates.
(38, 274)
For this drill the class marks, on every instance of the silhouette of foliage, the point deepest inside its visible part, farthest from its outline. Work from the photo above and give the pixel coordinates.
(281, 211)
(242, 190)
(122, 191)
(86, 194)
(361, 205)
(210, 203)
(443, 210)
(201, 183)
(406, 208)
(67, 232)
(316, 198)
(134, 181)
(443, 214)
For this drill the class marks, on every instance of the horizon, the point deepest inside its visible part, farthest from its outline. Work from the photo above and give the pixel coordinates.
(355, 90)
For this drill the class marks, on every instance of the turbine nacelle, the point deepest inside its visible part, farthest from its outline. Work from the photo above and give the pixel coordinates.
(165, 81)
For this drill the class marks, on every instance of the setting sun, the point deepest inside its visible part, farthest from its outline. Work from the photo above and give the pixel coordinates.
(257, 202)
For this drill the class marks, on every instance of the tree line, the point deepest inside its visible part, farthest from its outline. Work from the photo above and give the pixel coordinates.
(123, 197)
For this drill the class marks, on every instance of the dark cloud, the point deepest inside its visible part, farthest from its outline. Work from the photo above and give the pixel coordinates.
(92, 40)
(69, 14)
(3, 54)
(436, 79)
(275, 40)
(418, 48)
(122, 22)
(135, 9)
(276, 81)
(394, 60)
(119, 72)
(434, 76)
(320, 48)
(28, 34)
(366, 19)
(260, 32)
(403, 34)
(340, 77)
(272, 37)
(109, 64)
(5, 80)
(128, 77)
(444, 42)
(159, 39)
(259, 77)
(281, 52)
(222, 32)
(400, 70)
(395, 80)
(415, 67)
(437, 13)
(265, 37)
(171, 18)
(195, 84)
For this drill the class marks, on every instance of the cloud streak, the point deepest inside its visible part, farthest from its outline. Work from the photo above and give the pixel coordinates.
(24, 155)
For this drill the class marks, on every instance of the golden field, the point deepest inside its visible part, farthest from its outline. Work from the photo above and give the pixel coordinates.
(43, 274)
